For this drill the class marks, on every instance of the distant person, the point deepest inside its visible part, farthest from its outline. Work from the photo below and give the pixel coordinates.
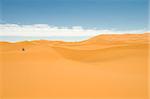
(23, 49)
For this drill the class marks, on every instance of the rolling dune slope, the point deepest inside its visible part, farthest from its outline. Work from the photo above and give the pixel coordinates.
(103, 67)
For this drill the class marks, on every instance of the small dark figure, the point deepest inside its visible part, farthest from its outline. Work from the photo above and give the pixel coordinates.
(23, 49)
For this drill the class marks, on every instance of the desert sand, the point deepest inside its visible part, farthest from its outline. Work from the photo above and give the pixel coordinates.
(103, 67)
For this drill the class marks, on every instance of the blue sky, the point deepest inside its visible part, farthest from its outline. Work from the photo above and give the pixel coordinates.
(101, 14)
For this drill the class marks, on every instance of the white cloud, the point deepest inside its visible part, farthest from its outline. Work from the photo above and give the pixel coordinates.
(46, 30)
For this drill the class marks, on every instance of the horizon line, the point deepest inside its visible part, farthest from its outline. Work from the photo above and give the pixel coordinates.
(10, 32)
(60, 40)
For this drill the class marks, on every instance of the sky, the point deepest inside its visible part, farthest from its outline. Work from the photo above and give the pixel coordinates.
(95, 15)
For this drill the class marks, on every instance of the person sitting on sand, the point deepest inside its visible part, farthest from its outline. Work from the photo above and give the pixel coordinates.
(23, 49)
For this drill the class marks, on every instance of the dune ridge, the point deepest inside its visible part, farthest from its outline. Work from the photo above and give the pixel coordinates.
(103, 67)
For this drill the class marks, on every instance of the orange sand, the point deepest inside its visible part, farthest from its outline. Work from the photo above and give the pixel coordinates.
(103, 67)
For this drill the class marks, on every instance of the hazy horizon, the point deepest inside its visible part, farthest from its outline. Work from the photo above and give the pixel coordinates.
(15, 33)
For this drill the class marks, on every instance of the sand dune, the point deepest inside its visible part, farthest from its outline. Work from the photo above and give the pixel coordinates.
(103, 67)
